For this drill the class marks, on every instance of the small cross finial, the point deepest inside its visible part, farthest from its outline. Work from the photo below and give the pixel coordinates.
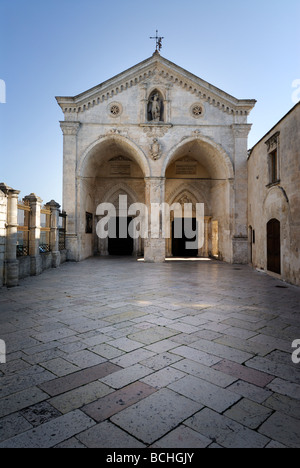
(158, 41)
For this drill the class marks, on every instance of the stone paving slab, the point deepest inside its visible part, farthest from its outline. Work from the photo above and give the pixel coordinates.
(184, 354)
(83, 377)
(248, 413)
(182, 437)
(52, 433)
(203, 392)
(107, 435)
(283, 429)
(225, 431)
(257, 378)
(165, 409)
(83, 395)
(117, 401)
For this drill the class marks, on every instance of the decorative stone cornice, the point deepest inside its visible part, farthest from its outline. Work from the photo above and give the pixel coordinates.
(70, 128)
(272, 143)
(166, 74)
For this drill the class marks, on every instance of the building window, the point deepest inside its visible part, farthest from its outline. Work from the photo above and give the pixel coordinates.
(273, 159)
(273, 167)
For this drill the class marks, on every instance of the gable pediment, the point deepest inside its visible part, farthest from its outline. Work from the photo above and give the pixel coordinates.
(156, 71)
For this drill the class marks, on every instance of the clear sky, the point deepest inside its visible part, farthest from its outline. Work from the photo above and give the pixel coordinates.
(49, 48)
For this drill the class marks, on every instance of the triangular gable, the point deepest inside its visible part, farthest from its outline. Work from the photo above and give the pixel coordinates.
(158, 66)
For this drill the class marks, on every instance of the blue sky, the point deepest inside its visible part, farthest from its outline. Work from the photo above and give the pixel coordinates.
(49, 48)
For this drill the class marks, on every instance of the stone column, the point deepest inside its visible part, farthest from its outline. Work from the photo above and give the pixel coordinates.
(12, 264)
(155, 244)
(34, 233)
(240, 230)
(70, 130)
(54, 233)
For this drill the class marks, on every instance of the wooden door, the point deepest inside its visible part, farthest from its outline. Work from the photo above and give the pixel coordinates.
(274, 246)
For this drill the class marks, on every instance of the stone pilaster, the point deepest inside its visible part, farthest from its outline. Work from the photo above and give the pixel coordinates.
(155, 244)
(34, 233)
(70, 130)
(240, 229)
(54, 233)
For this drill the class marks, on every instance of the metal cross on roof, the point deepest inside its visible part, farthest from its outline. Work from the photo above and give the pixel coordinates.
(158, 41)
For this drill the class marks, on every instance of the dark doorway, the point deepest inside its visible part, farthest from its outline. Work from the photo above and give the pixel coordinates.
(120, 245)
(179, 248)
(273, 246)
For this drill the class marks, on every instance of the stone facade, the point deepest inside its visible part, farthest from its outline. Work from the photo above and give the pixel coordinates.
(157, 133)
(274, 199)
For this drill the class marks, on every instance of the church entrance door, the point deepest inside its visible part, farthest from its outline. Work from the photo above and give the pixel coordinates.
(122, 242)
(179, 247)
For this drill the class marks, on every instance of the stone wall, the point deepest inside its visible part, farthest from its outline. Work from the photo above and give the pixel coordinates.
(279, 200)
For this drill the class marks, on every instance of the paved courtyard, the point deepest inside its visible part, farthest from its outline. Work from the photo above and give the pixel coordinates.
(117, 353)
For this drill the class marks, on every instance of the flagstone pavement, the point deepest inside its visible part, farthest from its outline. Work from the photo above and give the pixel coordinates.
(115, 353)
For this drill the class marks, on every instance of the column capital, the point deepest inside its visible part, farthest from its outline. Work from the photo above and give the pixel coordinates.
(69, 128)
(155, 180)
(241, 130)
(8, 190)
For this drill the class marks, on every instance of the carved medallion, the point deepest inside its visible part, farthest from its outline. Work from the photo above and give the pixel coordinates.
(155, 149)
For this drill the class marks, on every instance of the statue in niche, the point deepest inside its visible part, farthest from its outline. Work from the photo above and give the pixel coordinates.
(155, 108)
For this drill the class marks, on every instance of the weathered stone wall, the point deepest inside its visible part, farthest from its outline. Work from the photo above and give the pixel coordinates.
(279, 201)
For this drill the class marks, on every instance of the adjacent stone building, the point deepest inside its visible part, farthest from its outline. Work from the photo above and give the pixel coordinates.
(274, 199)
(156, 133)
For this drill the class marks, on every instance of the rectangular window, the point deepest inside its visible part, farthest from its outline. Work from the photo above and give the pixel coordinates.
(273, 149)
(273, 167)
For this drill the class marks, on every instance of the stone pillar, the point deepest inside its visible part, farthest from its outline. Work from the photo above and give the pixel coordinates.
(70, 130)
(155, 244)
(34, 233)
(207, 221)
(54, 233)
(240, 229)
(12, 264)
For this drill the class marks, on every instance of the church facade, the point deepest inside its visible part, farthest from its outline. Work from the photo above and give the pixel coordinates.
(156, 134)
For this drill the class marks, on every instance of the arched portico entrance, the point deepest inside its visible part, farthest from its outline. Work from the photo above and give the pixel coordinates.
(199, 171)
(112, 167)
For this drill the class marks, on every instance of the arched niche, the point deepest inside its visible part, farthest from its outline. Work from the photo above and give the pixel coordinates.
(155, 107)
